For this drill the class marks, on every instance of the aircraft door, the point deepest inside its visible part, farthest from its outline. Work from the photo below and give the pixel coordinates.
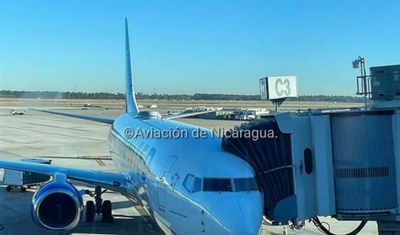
(163, 181)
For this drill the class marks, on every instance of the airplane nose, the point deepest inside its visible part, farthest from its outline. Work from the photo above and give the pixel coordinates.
(238, 215)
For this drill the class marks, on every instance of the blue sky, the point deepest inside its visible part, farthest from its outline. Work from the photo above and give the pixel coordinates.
(193, 46)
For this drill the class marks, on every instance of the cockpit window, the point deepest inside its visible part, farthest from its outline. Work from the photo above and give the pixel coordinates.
(188, 182)
(217, 185)
(196, 185)
(245, 184)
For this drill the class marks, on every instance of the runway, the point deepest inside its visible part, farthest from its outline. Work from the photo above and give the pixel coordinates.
(79, 143)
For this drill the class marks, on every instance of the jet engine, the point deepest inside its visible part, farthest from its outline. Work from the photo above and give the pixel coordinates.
(57, 205)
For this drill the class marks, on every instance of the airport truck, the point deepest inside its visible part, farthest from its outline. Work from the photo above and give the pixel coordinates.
(17, 112)
(19, 179)
(247, 115)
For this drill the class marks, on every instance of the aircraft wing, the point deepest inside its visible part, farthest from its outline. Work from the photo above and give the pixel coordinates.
(86, 117)
(111, 121)
(185, 114)
(109, 180)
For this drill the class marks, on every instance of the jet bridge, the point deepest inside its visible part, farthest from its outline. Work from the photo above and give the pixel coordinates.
(341, 163)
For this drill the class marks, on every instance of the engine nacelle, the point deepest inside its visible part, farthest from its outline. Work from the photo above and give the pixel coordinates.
(57, 205)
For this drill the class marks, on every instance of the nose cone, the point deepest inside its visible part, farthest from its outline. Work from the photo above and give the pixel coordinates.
(238, 216)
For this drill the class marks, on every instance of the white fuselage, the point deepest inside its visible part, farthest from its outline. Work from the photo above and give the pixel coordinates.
(184, 178)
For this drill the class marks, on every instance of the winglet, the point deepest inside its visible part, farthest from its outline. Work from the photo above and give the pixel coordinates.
(130, 100)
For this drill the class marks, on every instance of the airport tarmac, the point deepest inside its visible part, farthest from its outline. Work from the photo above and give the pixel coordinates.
(79, 143)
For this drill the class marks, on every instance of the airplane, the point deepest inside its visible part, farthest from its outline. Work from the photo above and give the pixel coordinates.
(188, 183)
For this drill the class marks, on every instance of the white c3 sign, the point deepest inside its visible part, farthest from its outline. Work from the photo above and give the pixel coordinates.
(278, 87)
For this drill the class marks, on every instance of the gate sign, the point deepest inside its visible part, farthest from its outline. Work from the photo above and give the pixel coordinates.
(278, 87)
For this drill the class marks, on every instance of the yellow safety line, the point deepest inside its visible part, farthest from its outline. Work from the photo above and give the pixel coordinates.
(96, 158)
(99, 161)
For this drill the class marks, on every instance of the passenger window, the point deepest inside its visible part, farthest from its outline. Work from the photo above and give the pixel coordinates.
(141, 144)
(245, 184)
(197, 185)
(217, 185)
(188, 182)
(150, 155)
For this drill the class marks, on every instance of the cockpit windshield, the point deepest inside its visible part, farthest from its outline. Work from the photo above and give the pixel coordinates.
(245, 184)
(217, 185)
(195, 184)
(229, 185)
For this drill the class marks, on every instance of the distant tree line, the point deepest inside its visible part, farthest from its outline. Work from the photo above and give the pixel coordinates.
(60, 95)
(155, 96)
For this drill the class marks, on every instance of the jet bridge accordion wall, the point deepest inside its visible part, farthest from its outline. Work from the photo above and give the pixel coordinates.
(271, 159)
(364, 163)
